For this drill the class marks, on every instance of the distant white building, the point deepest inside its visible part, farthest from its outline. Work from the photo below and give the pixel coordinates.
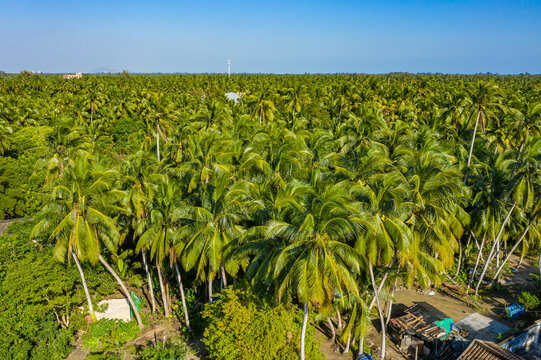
(233, 96)
(73, 76)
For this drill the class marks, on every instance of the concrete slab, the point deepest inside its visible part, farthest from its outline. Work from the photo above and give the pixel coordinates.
(481, 327)
(117, 309)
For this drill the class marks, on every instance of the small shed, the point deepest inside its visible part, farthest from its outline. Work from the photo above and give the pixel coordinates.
(116, 309)
(487, 350)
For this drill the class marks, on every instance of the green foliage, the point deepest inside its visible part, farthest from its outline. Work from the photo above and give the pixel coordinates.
(239, 328)
(174, 349)
(124, 133)
(196, 320)
(109, 336)
(21, 181)
(38, 300)
(528, 300)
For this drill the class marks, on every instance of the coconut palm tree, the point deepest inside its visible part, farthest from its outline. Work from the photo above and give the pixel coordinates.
(160, 231)
(215, 223)
(316, 223)
(80, 215)
(486, 102)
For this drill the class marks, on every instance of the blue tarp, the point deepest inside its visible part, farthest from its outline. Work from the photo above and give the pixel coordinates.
(365, 356)
(514, 311)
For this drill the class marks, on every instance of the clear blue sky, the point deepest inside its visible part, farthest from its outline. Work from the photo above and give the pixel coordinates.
(271, 36)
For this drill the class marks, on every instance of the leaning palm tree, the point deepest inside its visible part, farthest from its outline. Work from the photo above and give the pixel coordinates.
(79, 213)
(316, 223)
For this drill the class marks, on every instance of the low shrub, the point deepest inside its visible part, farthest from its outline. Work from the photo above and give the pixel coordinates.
(528, 301)
(240, 327)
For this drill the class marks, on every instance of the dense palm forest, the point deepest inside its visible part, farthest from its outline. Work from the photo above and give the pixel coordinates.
(313, 194)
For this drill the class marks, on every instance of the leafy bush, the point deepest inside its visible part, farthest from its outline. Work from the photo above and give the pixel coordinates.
(197, 322)
(37, 299)
(175, 349)
(239, 327)
(528, 300)
(109, 336)
(20, 180)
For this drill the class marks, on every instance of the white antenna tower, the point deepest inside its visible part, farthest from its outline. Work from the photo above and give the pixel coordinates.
(229, 68)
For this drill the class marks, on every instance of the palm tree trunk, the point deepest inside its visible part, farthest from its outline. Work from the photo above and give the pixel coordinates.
(361, 346)
(162, 290)
(493, 248)
(85, 287)
(348, 344)
(158, 143)
(390, 308)
(521, 259)
(460, 256)
(333, 331)
(381, 285)
(149, 279)
(168, 292)
(497, 255)
(509, 255)
(376, 295)
(125, 291)
(210, 289)
(339, 318)
(476, 263)
(303, 331)
(473, 137)
(183, 298)
(224, 277)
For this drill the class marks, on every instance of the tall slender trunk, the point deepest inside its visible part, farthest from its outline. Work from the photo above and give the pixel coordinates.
(125, 291)
(380, 287)
(158, 143)
(473, 137)
(85, 287)
(460, 256)
(476, 263)
(497, 255)
(224, 276)
(168, 293)
(182, 297)
(376, 295)
(303, 331)
(459, 259)
(210, 289)
(361, 346)
(493, 247)
(509, 255)
(390, 308)
(333, 331)
(162, 290)
(477, 245)
(339, 319)
(149, 279)
(348, 344)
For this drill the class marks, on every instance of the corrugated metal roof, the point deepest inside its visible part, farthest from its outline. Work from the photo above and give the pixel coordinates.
(486, 350)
